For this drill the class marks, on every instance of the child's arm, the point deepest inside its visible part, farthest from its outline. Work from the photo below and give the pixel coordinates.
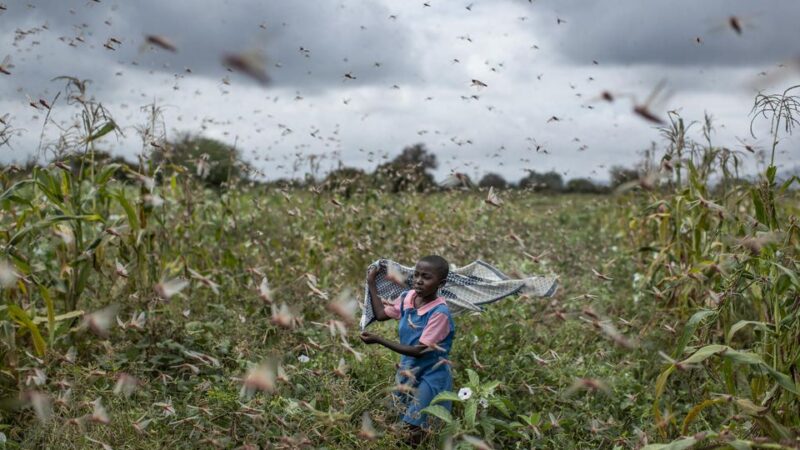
(408, 350)
(375, 299)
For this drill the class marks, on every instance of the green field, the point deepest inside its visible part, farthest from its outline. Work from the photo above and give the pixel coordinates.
(194, 349)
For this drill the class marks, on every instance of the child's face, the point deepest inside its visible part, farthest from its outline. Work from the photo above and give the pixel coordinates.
(426, 280)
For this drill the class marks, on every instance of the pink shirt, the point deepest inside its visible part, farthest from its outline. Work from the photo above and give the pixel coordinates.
(438, 326)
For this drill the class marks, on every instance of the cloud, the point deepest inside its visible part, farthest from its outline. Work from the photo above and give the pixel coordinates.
(422, 89)
(306, 44)
(636, 32)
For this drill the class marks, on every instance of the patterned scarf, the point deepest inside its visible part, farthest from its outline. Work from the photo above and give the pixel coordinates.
(467, 288)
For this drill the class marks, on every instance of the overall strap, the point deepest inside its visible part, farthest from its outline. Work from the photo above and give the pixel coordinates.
(441, 309)
(403, 297)
(403, 300)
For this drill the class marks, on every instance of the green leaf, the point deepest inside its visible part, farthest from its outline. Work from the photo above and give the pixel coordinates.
(753, 359)
(531, 420)
(487, 425)
(96, 242)
(107, 172)
(661, 383)
(784, 380)
(17, 199)
(696, 410)
(133, 219)
(739, 444)
(104, 130)
(790, 273)
(771, 171)
(66, 182)
(501, 406)
(444, 397)
(749, 407)
(440, 412)
(690, 328)
(761, 214)
(20, 262)
(788, 183)
(22, 317)
(490, 386)
(470, 412)
(49, 221)
(474, 379)
(53, 195)
(705, 353)
(14, 187)
(51, 313)
(738, 357)
(83, 277)
(680, 444)
(783, 284)
(743, 323)
(61, 317)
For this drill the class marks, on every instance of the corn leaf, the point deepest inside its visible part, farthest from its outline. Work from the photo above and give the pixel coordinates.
(22, 317)
(14, 187)
(696, 410)
(104, 130)
(133, 220)
(689, 329)
(51, 313)
(743, 323)
(705, 353)
(60, 317)
(49, 221)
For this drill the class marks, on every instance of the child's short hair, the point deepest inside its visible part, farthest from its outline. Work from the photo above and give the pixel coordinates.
(440, 265)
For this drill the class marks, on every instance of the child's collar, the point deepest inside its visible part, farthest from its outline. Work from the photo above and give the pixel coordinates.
(409, 303)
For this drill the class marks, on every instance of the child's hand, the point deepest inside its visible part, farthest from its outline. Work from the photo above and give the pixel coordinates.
(374, 272)
(369, 338)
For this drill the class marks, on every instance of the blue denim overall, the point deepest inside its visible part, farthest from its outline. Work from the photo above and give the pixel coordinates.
(429, 378)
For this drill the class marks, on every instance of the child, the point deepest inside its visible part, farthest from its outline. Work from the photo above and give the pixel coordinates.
(426, 332)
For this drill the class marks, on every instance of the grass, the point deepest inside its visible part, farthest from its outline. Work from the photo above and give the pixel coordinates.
(234, 326)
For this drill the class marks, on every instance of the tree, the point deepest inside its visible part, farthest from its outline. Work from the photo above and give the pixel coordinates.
(493, 180)
(416, 155)
(283, 183)
(211, 161)
(620, 175)
(345, 181)
(542, 182)
(408, 171)
(584, 186)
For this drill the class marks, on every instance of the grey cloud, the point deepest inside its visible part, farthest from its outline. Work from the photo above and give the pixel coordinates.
(650, 32)
(331, 35)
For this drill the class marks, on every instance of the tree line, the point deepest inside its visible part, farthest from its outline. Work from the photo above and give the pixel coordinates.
(218, 165)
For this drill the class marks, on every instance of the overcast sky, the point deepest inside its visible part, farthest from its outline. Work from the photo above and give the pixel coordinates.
(357, 81)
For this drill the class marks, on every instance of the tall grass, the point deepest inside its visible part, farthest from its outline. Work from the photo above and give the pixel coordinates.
(725, 256)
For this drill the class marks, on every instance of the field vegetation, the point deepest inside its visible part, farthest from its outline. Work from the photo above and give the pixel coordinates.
(169, 304)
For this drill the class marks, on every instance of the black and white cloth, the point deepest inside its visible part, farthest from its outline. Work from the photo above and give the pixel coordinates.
(468, 288)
